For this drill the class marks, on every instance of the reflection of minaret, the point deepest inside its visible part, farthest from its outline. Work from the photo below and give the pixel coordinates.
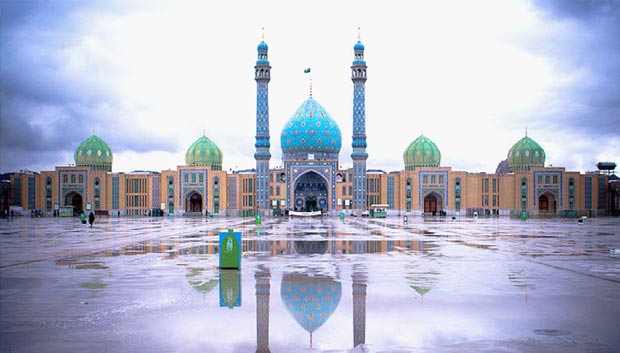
(359, 306)
(262, 277)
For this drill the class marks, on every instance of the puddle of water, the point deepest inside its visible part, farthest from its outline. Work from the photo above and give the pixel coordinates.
(358, 286)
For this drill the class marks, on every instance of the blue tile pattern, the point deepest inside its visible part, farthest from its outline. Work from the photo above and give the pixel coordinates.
(311, 130)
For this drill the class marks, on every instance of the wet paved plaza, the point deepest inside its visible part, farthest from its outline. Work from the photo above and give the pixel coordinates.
(366, 285)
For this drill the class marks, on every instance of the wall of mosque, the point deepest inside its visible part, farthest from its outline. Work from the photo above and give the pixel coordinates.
(539, 192)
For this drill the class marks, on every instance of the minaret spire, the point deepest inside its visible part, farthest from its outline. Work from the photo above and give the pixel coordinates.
(262, 75)
(359, 155)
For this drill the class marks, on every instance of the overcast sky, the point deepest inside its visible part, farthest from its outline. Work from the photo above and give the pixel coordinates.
(151, 76)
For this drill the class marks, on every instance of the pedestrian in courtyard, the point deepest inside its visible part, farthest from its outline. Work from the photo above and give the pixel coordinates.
(91, 219)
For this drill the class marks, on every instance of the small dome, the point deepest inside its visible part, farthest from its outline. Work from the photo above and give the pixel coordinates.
(524, 154)
(262, 45)
(94, 153)
(311, 130)
(358, 46)
(422, 152)
(204, 152)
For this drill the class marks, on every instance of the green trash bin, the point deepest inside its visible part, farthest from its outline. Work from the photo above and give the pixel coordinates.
(230, 249)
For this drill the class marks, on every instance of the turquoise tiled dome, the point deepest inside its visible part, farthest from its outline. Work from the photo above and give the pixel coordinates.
(524, 154)
(358, 46)
(311, 130)
(95, 153)
(310, 300)
(422, 152)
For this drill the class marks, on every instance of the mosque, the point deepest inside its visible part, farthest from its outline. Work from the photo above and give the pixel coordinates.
(311, 178)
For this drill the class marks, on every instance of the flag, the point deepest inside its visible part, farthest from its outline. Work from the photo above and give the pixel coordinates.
(306, 70)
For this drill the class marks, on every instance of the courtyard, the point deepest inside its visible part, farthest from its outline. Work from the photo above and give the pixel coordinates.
(360, 285)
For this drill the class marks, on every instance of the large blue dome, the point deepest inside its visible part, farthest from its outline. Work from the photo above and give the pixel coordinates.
(311, 131)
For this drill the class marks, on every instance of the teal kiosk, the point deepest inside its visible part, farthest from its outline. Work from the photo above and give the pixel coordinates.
(230, 250)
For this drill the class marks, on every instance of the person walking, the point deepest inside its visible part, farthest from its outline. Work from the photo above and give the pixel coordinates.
(91, 219)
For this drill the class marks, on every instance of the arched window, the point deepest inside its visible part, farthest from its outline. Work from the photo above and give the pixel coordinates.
(523, 193)
(48, 193)
(97, 188)
(170, 195)
(216, 195)
(408, 190)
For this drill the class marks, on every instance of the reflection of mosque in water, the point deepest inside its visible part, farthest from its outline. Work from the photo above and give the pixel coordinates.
(300, 241)
(311, 299)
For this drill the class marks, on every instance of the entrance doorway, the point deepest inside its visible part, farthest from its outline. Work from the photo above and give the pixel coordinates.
(193, 203)
(310, 192)
(311, 203)
(432, 203)
(546, 203)
(74, 199)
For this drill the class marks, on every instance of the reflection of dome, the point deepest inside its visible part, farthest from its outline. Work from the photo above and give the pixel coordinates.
(204, 152)
(201, 285)
(310, 246)
(311, 300)
(311, 130)
(422, 152)
(95, 153)
(524, 154)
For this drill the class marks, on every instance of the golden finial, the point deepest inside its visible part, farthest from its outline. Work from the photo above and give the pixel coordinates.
(204, 132)
(358, 33)
(310, 86)
(262, 35)
(94, 131)
(525, 132)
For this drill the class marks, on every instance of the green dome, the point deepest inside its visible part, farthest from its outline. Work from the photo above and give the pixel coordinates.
(204, 152)
(94, 153)
(524, 154)
(422, 152)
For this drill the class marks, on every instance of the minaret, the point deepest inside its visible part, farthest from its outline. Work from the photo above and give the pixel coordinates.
(262, 75)
(359, 155)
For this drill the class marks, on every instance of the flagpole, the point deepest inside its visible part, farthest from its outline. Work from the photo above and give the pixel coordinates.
(307, 71)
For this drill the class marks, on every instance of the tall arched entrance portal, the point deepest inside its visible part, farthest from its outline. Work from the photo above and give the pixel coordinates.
(546, 203)
(193, 202)
(74, 199)
(310, 192)
(432, 203)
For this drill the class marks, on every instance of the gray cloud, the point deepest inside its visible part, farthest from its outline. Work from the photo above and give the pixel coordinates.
(43, 106)
(590, 50)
